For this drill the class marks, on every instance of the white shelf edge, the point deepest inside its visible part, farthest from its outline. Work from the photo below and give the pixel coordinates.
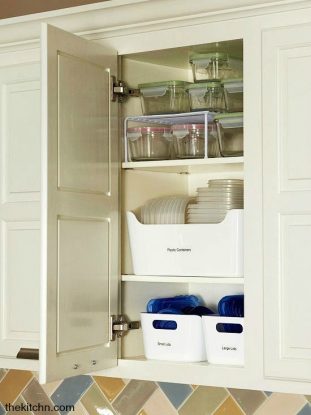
(184, 162)
(201, 373)
(185, 280)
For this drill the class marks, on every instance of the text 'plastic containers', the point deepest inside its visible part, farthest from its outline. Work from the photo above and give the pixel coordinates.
(207, 96)
(189, 140)
(148, 143)
(167, 97)
(230, 134)
(233, 89)
(215, 65)
(188, 249)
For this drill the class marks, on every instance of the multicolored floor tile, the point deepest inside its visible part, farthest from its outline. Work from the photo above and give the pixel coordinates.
(176, 393)
(158, 403)
(12, 385)
(203, 401)
(282, 404)
(306, 410)
(95, 402)
(111, 387)
(248, 400)
(133, 397)
(229, 407)
(110, 396)
(37, 398)
(70, 391)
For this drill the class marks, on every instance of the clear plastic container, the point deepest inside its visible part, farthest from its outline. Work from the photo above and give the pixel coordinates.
(207, 96)
(215, 65)
(233, 89)
(189, 141)
(164, 97)
(148, 143)
(230, 134)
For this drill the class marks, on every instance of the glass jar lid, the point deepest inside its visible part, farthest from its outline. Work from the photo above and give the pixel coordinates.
(199, 57)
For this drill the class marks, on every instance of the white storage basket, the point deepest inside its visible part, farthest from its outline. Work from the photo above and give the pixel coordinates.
(188, 250)
(184, 343)
(222, 347)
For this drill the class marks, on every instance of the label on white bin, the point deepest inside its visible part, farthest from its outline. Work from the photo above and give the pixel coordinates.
(224, 339)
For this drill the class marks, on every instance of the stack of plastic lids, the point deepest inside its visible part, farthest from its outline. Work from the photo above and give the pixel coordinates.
(214, 201)
(180, 304)
(231, 306)
(165, 210)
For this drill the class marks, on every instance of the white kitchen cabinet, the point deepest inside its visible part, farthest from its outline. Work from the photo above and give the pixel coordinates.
(153, 43)
(20, 207)
(287, 201)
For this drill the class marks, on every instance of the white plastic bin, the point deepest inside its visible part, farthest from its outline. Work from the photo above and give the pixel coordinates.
(222, 347)
(188, 250)
(184, 343)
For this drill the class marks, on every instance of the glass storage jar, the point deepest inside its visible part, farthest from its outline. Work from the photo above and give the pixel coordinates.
(148, 143)
(215, 65)
(207, 96)
(167, 97)
(189, 141)
(233, 89)
(230, 134)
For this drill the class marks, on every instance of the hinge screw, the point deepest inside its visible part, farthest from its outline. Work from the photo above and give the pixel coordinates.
(93, 362)
(75, 366)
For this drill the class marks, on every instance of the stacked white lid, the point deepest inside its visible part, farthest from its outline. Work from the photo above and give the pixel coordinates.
(165, 210)
(213, 202)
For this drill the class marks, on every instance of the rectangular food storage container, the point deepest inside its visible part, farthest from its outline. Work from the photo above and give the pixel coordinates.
(207, 96)
(189, 140)
(180, 340)
(148, 143)
(233, 89)
(230, 134)
(188, 249)
(167, 97)
(215, 65)
(224, 339)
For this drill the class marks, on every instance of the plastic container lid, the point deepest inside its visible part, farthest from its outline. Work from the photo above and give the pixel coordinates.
(158, 89)
(233, 85)
(205, 85)
(189, 127)
(147, 129)
(163, 83)
(199, 57)
(230, 120)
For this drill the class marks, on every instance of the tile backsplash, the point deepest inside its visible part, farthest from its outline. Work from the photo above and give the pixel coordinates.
(109, 396)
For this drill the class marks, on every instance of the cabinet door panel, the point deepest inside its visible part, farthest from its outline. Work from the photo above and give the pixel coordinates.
(19, 208)
(287, 201)
(79, 206)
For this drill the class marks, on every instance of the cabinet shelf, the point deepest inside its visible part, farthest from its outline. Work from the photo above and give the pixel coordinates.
(199, 373)
(187, 280)
(187, 165)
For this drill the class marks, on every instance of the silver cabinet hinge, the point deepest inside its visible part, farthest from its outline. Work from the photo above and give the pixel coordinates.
(120, 326)
(121, 92)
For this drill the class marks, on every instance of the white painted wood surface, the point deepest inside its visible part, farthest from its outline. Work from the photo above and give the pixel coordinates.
(287, 201)
(80, 215)
(144, 28)
(19, 207)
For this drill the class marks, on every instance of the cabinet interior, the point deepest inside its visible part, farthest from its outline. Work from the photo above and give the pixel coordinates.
(142, 184)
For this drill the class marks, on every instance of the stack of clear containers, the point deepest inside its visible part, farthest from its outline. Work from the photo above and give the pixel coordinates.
(167, 97)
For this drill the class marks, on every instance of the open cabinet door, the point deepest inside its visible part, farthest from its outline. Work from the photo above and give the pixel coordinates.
(80, 215)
